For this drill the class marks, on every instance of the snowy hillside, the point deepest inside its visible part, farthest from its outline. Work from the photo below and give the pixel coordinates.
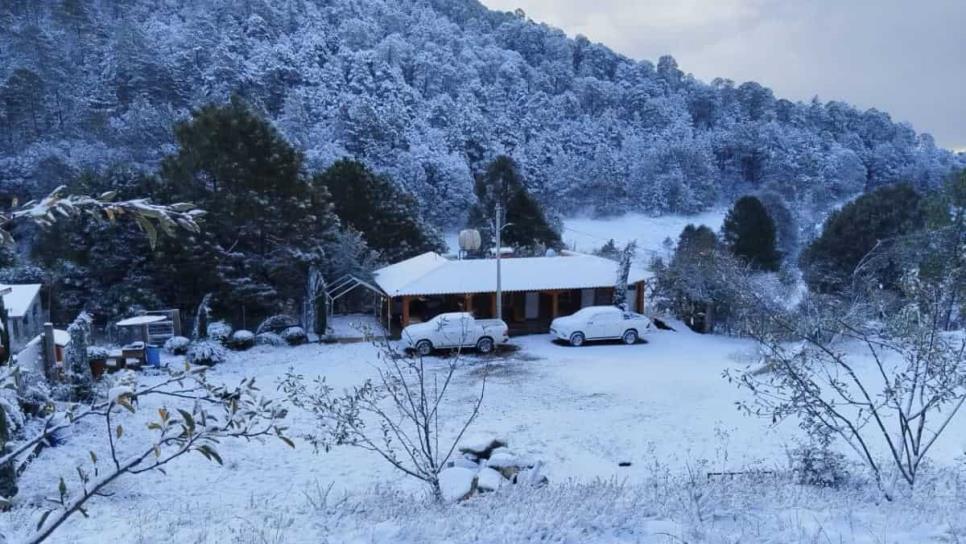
(426, 92)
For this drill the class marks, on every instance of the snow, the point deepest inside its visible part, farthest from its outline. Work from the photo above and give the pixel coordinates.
(456, 483)
(140, 320)
(21, 296)
(571, 271)
(662, 405)
(489, 479)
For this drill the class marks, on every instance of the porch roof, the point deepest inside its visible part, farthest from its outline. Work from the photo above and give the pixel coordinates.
(433, 274)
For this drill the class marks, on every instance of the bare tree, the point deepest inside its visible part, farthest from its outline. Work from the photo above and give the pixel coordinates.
(397, 415)
(869, 377)
(210, 414)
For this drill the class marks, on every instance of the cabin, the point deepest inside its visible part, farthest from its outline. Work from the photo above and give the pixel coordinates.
(535, 289)
(25, 314)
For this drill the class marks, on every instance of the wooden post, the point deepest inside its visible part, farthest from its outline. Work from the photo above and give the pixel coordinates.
(468, 303)
(50, 353)
(405, 311)
(554, 304)
(639, 296)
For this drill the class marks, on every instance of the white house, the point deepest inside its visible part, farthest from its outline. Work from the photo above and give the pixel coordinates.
(25, 315)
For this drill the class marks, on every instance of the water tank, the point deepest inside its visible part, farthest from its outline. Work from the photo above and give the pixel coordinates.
(469, 240)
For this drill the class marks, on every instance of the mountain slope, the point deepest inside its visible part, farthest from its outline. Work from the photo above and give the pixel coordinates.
(425, 91)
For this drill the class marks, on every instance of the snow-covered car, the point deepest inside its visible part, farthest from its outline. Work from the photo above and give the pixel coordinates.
(600, 323)
(455, 330)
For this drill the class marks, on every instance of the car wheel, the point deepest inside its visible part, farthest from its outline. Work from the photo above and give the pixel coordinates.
(630, 336)
(484, 345)
(424, 347)
(577, 339)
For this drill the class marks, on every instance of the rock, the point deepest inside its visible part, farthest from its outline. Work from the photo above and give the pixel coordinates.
(457, 483)
(531, 476)
(482, 446)
(507, 463)
(489, 480)
(461, 462)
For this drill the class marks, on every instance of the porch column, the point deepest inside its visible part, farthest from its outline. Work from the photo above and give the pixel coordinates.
(639, 295)
(468, 303)
(405, 311)
(554, 304)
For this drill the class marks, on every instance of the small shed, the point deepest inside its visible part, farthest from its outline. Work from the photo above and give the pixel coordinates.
(149, 329)
(25, 314)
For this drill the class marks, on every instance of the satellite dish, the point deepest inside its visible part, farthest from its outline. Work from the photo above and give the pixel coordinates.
(470, 240)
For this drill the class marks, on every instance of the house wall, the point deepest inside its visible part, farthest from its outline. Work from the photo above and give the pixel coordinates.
(23, 329)
(548, 304)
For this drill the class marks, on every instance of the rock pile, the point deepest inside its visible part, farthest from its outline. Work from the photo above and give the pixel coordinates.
(486, 464)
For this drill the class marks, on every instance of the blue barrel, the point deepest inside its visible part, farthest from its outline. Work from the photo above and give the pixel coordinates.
(153, 355)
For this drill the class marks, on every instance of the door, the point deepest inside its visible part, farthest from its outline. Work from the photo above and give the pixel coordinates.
(456, 332)
(604, 324)
(586, 297)
(532, 310)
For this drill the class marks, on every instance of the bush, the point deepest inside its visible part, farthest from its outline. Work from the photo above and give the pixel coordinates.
(97, 353)
(219, 331)
(241, 340)
(276, 324)
(818, 465)
(294, 336)
(206, 353)
(269, 339)
(177, 345)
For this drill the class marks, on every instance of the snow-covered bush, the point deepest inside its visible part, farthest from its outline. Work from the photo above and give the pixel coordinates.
(269, 339)
(241, 340)
(206, 353)
(97, 353)
(276, 324)
(177, 345)
(294, 336)
(219, 331)
(818, 465)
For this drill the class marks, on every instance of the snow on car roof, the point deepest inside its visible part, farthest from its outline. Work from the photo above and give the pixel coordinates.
(18, 300)
(433, 274)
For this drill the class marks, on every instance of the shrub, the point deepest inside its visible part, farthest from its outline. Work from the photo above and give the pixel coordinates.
(269, 339)
(219, 331)
(206, 353)
(818, 465)
(177, 345)
(276, 324)
(97, 353)
(294, 336)
(241, 340)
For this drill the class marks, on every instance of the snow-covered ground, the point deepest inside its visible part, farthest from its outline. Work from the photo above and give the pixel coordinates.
(663, 406)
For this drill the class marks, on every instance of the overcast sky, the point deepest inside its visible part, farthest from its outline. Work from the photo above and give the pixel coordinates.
(906, 57)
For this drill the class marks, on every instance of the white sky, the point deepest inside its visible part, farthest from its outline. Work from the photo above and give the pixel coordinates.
(906, 57)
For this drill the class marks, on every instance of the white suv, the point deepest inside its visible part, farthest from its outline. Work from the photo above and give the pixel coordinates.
(600, 323)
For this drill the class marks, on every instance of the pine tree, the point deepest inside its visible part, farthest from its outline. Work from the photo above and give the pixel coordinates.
(526, 223)
(749, 232)
(266, 224)
(387, 216)
(852, 232)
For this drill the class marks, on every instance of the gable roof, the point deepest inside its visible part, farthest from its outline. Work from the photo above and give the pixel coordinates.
(20, 297)
(433, 274)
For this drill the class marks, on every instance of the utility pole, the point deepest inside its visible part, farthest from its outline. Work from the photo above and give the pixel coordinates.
(499, 253)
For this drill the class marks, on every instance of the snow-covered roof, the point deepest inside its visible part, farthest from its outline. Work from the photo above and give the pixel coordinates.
(20, 297)
(140, 320)
(433, 274)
